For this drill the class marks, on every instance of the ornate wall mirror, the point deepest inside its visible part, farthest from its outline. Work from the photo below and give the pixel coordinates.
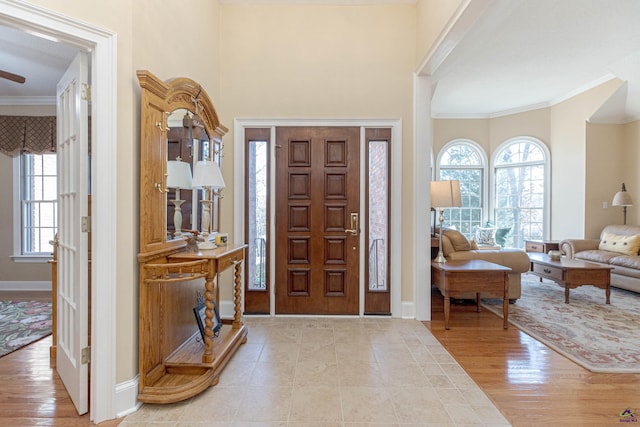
(187, 143)
(179, 129)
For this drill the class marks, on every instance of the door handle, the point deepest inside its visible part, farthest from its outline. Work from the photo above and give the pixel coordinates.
(355, 229)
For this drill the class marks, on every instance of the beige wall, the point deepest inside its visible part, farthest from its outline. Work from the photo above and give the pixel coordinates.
(433, 16)
(631, 160)
(11, 271)
(313, 62)
(569, 163)
(171, 39)
(605, 174)
(588, 162)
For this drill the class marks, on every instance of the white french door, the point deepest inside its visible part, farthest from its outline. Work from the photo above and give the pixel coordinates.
(73, 288)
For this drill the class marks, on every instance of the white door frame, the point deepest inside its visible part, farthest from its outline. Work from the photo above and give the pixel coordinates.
(102, 45)
(397, 309)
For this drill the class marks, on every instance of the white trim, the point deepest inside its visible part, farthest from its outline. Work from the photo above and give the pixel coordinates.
(126, 393)
(460, 23)
(422, 149)
(26, 286)
(102, 44)
(484, 166)
(546, 221)
(396, 191)
(31, 259)
(27, 100)
(409, 310)
(17, 225)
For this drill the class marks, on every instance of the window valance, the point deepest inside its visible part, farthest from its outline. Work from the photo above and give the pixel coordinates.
(27, 134)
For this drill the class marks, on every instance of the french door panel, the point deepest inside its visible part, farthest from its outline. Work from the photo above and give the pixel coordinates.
(317, 200)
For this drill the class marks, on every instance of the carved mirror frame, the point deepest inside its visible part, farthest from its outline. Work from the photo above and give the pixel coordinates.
(159, 99)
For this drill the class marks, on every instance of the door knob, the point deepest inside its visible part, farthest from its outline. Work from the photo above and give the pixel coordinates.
(355, 229)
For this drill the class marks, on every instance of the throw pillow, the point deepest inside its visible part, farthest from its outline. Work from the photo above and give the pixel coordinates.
(501, 235)
(457, 239)
(628, 245)
(486, 236)
(474, 244)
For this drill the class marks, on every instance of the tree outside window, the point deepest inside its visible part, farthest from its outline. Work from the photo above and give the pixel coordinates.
(520, 190)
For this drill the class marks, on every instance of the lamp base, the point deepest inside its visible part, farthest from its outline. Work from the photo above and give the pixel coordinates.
(206, 244)
(440, 259)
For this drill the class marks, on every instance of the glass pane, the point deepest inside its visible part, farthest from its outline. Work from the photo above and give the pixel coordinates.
(520, 152)
(461, 154)
(39, 202)
(257, 209)
(466, 218)
(378, 218)
(520, 202)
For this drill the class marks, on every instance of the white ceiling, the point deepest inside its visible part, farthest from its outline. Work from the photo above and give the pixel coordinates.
(526, 54)
(518, 55)
(41, 61)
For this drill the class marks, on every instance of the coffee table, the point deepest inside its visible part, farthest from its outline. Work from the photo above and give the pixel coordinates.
(458, 277)
(571, 273)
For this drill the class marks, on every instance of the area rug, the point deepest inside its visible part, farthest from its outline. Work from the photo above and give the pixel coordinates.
(23, 322)
(600, 337)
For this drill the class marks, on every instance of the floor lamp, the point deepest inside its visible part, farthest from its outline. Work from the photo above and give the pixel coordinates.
(622, 198)
(444, 194)
(207, 175)
(178, 176)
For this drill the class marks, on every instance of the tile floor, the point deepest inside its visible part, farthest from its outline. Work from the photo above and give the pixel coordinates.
(329, 372)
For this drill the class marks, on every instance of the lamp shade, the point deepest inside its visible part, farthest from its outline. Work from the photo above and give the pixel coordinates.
(446, 194)
(178, 174)
(622, 198)
(207, 174)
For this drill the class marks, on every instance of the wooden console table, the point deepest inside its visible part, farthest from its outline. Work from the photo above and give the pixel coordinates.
(174, 362)
(571, 273)
(457, 277)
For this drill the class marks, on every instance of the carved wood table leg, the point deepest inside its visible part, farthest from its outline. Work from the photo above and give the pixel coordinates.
(209, 296)
(237, 295)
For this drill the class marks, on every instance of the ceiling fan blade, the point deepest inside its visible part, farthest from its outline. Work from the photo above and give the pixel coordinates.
(13, 77)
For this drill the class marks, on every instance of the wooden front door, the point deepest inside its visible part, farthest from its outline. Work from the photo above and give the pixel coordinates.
(317, 203)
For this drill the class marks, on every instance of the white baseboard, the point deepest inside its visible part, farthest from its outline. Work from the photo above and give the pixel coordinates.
(126, 397)
(226, 309)
(25, 286)
(408, 310)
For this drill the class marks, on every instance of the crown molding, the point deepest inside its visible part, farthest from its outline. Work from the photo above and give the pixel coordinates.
(27, 100)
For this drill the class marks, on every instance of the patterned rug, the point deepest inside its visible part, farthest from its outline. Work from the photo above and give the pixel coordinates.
(23, 322)
(597, 336)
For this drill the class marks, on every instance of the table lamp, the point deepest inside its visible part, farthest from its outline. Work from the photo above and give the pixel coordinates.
(207, 175)
(178, 176)
(444, 194)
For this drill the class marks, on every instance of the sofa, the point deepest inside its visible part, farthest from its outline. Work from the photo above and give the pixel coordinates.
(455, 246)
(617, 247)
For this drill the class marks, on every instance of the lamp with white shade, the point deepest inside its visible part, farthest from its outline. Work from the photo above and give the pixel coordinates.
(208, 176)
(444, 194)
(178, 177)
(622, 198)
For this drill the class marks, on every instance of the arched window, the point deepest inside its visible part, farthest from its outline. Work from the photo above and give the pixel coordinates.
(465, 161)
(521, 195)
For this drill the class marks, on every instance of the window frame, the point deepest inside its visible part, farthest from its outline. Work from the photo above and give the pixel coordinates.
(546, 211)
(484, 174)
(18, 254)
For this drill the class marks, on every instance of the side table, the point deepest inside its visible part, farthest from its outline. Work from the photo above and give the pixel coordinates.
(458, 277)
(541, 246)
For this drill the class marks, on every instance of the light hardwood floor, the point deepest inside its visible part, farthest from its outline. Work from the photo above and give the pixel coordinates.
(530, 384)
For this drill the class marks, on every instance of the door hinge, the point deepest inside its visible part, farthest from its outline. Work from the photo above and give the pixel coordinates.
(86, 224)
(86, 92)
(86, 355)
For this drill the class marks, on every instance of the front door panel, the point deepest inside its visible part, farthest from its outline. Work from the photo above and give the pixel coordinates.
(317, 196)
